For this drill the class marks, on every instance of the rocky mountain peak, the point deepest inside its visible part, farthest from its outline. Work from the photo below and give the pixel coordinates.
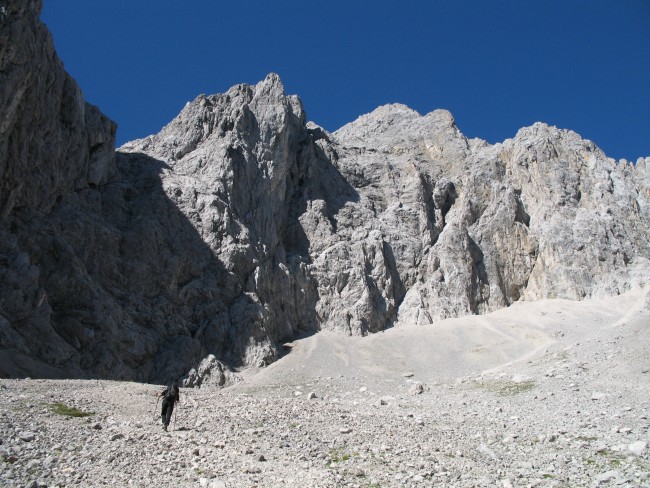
(271, 86)
(396, 121)
(244, 111)
(390, 112)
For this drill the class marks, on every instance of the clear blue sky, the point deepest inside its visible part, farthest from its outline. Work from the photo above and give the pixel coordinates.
(496, 65)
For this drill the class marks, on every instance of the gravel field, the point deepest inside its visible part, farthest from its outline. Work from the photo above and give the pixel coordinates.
(551, 393)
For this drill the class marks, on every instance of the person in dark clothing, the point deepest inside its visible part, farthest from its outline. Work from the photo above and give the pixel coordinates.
(170, 396)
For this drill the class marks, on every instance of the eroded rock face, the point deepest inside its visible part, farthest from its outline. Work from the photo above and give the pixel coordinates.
(239, 226)
(470, 227)
(51, 141)
(53, 146)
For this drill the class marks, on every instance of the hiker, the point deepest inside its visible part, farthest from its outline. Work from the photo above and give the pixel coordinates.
(170, 396)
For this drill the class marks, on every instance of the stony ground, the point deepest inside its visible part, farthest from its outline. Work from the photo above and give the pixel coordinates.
(571, 413)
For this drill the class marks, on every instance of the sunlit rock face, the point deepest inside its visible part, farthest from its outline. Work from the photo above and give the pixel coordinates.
(202, 248)
(467, 227)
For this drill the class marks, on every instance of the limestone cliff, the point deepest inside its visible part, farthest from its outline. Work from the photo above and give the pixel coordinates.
(239, 226)
(545, 214)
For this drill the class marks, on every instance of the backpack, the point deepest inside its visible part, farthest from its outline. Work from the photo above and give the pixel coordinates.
(172, 393)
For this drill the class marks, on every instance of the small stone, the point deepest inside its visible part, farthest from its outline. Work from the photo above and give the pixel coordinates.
(357, 472)
(97, 426)
(408, 375)
(261, 458)
(487, 451)
(598, 395)
(345, 430)
(26, 436)
(49, 461)
(607, 476)
(600, 447)
(116, 437)
(519, 378)
(311, 395)
(637, 447)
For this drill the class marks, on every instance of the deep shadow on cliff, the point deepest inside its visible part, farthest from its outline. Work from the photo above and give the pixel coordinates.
(126, 288)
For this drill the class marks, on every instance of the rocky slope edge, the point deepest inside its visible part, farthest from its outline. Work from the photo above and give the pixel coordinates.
(204, 247)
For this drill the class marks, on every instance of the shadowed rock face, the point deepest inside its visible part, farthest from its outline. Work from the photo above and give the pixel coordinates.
(51, 141)
(240, 225)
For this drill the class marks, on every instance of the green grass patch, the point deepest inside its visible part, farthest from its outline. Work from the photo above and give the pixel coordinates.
(586, 438)
(614, 459)
(338, 457)
(508, 388)
(63, 409)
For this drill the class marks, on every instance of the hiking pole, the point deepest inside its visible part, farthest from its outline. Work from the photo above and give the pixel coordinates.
(155, 412)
